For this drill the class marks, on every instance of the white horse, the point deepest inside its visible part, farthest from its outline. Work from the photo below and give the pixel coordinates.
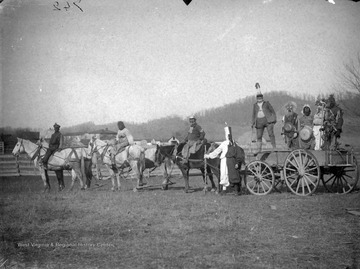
(66, 159)
(132, 157)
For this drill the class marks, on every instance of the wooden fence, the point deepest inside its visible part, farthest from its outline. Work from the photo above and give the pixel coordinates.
(2, 148)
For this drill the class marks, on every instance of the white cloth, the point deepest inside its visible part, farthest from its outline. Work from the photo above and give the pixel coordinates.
(123, 135)
(222, 150)
(260, 113)
(317, 135)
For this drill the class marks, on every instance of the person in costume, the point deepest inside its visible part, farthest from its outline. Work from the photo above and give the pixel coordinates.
(263, 116)
(231, 158)
(290, 123)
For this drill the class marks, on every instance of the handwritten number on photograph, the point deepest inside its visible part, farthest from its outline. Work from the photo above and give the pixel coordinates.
(76, 4)
(56, 6)
(67, 6)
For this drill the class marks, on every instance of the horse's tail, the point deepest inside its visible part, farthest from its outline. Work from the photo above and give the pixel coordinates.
(82, 167)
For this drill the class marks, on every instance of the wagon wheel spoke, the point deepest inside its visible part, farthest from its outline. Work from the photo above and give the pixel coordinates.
(342, 179)
(329, 179)
(288, 168)
(305, 179)
(313, 182)
(265, 185)
(260, 177)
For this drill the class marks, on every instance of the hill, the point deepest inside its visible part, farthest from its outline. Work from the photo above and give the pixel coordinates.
(236, 114)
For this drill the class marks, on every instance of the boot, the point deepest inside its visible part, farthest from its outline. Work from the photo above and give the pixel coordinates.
(258, 148)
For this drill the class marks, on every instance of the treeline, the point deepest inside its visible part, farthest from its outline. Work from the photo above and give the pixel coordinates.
(237, 115)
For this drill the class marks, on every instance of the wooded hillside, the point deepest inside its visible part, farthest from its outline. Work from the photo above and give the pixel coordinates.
(237, 115)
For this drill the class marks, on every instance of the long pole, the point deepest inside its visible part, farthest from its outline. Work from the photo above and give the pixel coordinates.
(205, 171)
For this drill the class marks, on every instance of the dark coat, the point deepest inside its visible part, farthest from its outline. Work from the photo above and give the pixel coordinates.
(268, 111)
(235, 155)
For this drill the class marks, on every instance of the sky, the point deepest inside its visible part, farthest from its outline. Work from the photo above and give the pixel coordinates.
(138, 60)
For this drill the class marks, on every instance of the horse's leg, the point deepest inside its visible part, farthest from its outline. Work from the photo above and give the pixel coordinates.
(118, 179)
(97, 167)
(80, 175)
(209, 173)
(185, 173)
(45, 178)
(60, 178)
(73, 178)
(165, 165)
(112, 176)
(88, 172)
(136, 167)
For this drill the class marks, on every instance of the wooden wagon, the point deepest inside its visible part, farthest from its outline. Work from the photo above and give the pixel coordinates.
(302, 171)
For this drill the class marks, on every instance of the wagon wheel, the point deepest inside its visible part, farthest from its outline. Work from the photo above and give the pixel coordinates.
(301, 172)
(343, 179)
(260, 178)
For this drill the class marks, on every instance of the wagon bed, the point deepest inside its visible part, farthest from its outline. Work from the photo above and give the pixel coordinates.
(302, 171)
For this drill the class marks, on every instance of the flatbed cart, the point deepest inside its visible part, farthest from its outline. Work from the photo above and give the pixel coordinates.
(302, 171)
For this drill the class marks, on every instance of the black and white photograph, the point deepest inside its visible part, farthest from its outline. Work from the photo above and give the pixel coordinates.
(180, 134)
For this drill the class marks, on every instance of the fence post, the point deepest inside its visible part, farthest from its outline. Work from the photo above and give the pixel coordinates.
(17, 165)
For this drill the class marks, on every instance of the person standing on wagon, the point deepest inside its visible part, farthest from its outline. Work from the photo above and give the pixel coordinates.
(263, 116)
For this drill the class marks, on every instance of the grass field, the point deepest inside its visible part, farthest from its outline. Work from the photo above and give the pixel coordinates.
(97, 228)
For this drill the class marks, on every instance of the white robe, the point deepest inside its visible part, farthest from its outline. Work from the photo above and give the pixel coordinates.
(224, 174)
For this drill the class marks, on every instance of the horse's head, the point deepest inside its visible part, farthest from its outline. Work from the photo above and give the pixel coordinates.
(91, 145)
(19, 147)
(212, 147)
(95, 145)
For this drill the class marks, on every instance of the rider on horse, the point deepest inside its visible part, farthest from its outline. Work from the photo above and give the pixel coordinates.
(55, 144)
(194, 139)
(123, 139)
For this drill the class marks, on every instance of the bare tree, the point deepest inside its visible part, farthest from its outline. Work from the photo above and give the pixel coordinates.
(350, 77)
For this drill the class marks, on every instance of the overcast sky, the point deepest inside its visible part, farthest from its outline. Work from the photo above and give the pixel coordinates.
(138, 60)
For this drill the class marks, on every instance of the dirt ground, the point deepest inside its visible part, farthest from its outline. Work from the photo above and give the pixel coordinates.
(153, 228)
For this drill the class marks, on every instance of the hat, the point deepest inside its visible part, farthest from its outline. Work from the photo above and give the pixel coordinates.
(259, 95)
(228, 132)
(306, 105)
(306, 133)
(291, 104)
(192, 117)
(56, 125)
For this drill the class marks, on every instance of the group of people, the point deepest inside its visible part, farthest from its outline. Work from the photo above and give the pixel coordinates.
(313, 131)
(307, 131)
(300, 131)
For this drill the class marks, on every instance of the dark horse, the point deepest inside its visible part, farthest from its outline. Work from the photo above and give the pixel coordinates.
(196, 161)
(164, 155)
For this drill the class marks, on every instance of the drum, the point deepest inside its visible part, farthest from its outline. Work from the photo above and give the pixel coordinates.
(306, 133)
(288, 127)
